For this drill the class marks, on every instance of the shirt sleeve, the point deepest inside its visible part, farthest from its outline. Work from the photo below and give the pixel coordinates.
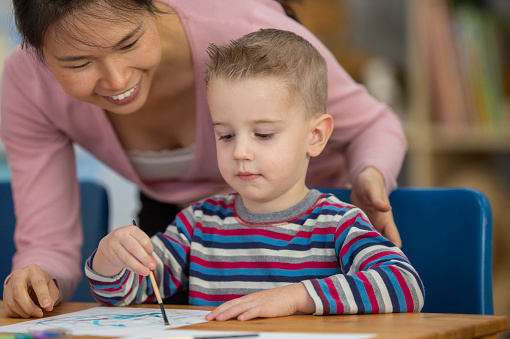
(367, 131)
(171, 251)
(43, 178)
(377, 277)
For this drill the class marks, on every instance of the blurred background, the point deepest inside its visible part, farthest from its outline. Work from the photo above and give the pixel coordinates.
(442, 65)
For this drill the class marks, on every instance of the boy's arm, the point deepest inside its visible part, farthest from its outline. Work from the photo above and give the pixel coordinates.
(171, 252)
(378, 277)
(270, 303)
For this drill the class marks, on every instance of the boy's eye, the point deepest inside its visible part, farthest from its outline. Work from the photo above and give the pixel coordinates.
(226, 137)
(131, 45)
(264, 136)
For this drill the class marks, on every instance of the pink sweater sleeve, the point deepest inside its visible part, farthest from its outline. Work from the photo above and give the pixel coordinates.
(48, 230)
(366, 131)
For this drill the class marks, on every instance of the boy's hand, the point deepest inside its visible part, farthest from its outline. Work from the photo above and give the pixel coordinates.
(275, 302)
(128, 247)
(28, 291)
(369, 194)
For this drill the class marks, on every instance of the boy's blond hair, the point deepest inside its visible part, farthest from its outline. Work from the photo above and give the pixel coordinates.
(278, 54)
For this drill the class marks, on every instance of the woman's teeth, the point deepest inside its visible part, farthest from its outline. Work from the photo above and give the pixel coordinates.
(123, 95)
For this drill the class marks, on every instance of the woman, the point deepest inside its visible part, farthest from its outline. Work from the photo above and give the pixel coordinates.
(123, 78)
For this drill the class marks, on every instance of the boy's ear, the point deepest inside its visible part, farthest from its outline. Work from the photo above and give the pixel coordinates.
(322, 127)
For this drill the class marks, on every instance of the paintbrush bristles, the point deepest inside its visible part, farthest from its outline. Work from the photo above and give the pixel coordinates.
(158, 296)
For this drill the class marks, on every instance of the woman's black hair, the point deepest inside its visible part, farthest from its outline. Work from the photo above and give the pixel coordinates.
(33, 18)
(289, 9)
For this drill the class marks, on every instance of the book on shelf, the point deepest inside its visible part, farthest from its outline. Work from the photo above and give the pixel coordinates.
(463, 64)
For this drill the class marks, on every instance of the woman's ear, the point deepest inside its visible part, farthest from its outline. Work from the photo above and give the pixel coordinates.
(322, 127)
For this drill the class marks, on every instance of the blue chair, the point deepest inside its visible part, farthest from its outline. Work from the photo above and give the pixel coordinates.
(447, 235)
(94, 212)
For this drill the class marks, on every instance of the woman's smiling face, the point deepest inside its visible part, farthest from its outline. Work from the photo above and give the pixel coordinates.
(106, 62)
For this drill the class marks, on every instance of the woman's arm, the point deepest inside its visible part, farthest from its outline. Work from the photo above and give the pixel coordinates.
(45, 191)
(372, 140)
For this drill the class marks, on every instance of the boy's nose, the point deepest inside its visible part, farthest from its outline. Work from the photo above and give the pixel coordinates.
(242, 150)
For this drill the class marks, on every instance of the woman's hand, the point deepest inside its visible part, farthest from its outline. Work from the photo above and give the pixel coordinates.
(369, 194)
(275, 302)
(128, 247)
(28, 290)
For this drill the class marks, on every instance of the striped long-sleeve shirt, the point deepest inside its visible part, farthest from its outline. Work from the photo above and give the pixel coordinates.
(223, 251)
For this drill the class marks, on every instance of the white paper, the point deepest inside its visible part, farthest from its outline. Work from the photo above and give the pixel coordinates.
(112, 321)
(143, 323)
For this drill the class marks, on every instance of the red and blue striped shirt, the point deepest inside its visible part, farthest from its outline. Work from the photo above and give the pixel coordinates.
(221, 251)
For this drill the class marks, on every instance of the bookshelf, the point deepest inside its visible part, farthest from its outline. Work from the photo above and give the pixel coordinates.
(458, 118)
(457, 104)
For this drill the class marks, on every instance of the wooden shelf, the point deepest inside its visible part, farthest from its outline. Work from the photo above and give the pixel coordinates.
(457, 139)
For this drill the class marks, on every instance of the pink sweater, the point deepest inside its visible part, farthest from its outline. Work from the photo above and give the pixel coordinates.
(39, 123)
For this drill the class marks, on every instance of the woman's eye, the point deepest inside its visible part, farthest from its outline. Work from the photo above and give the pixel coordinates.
(79, 66)
(226, 137)
(131, 45)
(264, 136)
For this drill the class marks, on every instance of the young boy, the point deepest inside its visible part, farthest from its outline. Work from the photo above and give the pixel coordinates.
(275, 247)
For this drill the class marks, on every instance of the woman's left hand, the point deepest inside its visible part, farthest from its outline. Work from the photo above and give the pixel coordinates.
(369, 194)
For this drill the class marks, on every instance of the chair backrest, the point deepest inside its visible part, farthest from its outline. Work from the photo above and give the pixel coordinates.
(447, 235)
(94, 212)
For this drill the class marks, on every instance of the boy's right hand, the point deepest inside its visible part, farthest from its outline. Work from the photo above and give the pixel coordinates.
(128, 247)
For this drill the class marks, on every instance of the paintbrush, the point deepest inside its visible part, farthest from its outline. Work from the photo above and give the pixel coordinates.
(156, 291)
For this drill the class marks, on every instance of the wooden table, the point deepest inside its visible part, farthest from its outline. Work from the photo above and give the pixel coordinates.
(386, 326)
